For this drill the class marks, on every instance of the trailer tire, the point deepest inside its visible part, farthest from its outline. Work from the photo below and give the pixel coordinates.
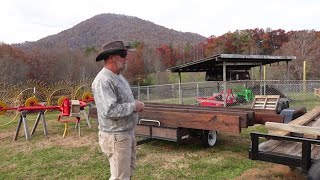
(209, 138)
(314, 171)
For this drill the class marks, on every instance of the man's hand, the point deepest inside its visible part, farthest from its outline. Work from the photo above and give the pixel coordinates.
(139, 106)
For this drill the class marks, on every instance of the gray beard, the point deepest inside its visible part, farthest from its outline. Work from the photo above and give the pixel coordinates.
(122, 67)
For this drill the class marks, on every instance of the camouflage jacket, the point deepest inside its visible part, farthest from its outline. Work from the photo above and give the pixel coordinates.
(114, 101)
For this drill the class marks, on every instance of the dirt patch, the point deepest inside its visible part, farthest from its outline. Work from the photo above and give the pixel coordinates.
(276, 172)
(72, 141)
(8, 168)
(39, 141)
(4, 135)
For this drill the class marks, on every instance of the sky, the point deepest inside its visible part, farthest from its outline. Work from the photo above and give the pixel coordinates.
(31, 20)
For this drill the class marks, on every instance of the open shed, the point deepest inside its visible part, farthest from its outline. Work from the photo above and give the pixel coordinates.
(222, 63)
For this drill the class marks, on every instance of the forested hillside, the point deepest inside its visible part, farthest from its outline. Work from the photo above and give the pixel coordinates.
(107, 27)
(70, 54)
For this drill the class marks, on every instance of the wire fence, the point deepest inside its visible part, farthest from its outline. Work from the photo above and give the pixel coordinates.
(238, 93)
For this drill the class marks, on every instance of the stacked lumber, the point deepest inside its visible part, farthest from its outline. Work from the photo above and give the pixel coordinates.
(248, 117)
(254, 116)
(307, 124)
(180, 116)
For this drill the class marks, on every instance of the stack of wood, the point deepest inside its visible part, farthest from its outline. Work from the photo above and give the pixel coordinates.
(308, 125)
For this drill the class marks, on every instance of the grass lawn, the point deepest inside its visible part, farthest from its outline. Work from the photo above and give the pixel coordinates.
(74, 157)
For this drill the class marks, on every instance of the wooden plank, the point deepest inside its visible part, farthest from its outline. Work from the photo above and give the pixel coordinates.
(243, 115)
(165, 133)
(302, 120)
(262, 118)
(286, 147)
(296, 151)
(269, 145)
(299, 153)
(231, 108)
(250, 113)
(159, 132)
(253, 116)
(293, 128)
(142, 130)
(315, 153)
(205, 120)
(307, 117)
(315, 124)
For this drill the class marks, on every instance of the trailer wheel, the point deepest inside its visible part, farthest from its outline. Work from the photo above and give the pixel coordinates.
(314, 171)
(209, 138)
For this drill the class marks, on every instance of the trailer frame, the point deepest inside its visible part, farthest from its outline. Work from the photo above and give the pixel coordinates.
(304, 162)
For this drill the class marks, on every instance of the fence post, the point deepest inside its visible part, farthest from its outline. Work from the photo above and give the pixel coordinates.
(148, 93)
(180, 94)
(139, 92)
(180, 90)
(197, 93)
(304, 77)
(260, 78)
(264, 80)
(173, 92)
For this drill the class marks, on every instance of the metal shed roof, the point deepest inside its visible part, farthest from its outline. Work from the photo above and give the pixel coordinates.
(233, 62)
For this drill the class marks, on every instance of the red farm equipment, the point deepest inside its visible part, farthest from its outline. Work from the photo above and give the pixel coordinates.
(217, 99)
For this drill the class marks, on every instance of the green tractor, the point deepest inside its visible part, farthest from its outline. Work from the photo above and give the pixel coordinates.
(244, 95)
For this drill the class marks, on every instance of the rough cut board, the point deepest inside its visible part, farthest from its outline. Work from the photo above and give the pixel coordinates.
(294, 128)
(315, 124)
(302, 120)
(290, 148)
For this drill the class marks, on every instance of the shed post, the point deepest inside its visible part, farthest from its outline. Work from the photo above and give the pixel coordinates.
(260, 77)
(224, 84)
(264, 80)
(180, 91)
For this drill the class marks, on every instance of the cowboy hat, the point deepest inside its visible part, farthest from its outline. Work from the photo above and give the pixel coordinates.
(111, 48)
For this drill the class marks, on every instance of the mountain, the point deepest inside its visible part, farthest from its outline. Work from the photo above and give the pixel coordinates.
(107, 27)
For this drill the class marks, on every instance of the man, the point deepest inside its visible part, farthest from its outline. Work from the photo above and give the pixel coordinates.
(117, 111)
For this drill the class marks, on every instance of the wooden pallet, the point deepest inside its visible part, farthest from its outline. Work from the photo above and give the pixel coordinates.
(265, 102)
(316, 92)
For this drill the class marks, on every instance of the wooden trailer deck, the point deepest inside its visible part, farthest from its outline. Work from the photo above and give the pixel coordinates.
(289, 148)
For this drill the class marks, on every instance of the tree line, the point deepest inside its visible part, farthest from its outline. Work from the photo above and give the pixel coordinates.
(52, 64)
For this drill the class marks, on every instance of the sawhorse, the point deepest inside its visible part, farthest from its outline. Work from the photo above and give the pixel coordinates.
(82, 111)
(23, 120)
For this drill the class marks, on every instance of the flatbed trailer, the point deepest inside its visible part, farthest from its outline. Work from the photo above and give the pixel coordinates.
(176, 122)
(296, 144)
(292, 151)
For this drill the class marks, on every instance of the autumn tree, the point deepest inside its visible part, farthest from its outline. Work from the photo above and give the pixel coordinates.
(272, 40)
(249, 41)
(305, 45)
(135, 65)
(14, 64)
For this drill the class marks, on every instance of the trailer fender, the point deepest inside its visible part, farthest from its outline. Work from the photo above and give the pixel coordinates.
(292, 113)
